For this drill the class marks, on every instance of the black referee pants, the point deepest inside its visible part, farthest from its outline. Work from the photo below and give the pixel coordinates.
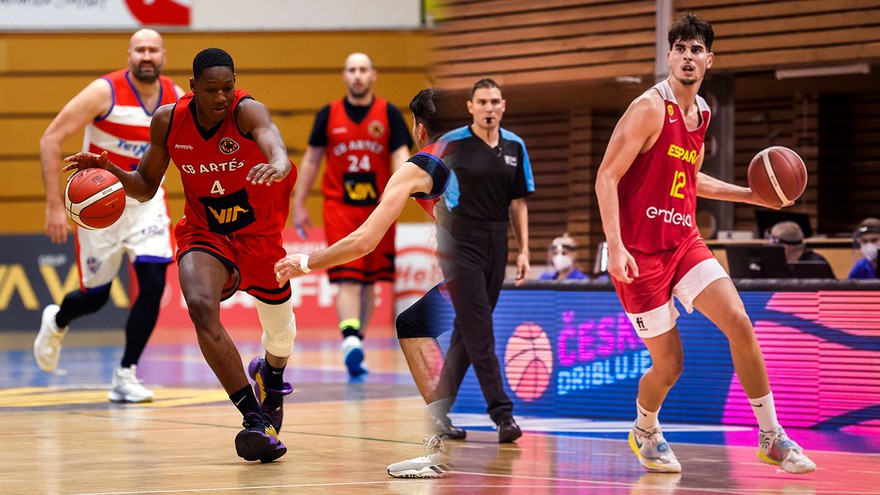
(477, 270)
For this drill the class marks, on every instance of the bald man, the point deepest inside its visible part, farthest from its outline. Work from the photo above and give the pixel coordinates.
(115, 111)
(366, 140)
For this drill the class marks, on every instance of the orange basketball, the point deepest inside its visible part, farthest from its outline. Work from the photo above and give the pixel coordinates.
(94, 198)
(778, 175)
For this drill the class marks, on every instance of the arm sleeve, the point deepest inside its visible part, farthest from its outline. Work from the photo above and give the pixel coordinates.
(318, 138)
(525, 182)
(399, 133)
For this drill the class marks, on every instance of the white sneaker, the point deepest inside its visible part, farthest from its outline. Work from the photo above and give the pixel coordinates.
(434, 464)
(777, 449)
(127, 388)
(353, 354)
(47, 345)
(653, 452)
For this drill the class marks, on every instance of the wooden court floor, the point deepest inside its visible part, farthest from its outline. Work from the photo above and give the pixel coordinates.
(59, 435)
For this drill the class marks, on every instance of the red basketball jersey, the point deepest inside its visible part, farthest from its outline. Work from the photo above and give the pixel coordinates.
(124, 132)
(358, 159)
(658, 194)
(214, 172)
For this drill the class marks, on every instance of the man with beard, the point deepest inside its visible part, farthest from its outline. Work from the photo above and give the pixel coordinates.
(115, 110)
(366, 140)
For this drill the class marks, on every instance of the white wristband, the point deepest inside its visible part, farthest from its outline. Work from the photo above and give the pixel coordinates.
(304, 264)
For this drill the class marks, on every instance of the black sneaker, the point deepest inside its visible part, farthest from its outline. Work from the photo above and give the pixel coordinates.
(508, 431)
(258, 441)
(446, 430)
(271, 401)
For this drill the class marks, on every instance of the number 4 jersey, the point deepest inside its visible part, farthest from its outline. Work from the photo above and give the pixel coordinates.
(214, 165)
(658, 194)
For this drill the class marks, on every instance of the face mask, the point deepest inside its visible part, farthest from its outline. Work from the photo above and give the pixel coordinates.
(869, 251)
(562, 262)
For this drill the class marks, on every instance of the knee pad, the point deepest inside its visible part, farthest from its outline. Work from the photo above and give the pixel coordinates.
(279, 327)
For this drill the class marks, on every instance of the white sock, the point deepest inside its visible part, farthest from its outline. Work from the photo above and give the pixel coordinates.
(765, 412)
(439, 410)
(645, 419)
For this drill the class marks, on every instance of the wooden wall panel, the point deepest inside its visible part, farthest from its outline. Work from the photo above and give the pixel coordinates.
(546, 139)
(522, 43)
(849, 151)
(755, 35)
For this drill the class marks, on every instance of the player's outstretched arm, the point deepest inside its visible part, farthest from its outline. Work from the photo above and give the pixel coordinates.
(92, 102)
(140, 184)
(635, 133)
(253, 117)
(410, 179)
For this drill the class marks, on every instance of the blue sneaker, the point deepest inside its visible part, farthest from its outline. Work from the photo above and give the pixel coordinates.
(258, 441)
(271, 401)
(353, 352)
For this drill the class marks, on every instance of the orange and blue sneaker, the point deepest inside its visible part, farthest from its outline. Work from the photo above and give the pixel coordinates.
(653, 452)
(777, 449)
(271, 400)
(258, 441)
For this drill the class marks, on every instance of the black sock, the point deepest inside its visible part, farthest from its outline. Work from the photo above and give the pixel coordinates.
(274, 377)
(349, 327)
(246, 401)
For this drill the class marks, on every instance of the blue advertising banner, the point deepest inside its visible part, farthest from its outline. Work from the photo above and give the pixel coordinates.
(34, 273)
(575, 354)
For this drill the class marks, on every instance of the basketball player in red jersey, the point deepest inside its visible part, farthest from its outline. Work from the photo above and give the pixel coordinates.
(647, 186)
(366, 139)
(237, 181)
(115, 110)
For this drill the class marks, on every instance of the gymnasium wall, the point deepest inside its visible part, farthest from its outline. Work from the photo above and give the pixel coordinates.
(293, 73)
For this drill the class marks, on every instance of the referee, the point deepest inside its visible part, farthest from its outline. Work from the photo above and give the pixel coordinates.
(491, 176)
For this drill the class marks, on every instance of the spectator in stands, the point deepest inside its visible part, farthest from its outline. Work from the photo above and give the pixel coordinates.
(867, 236)
(790, 235)
(562, 256)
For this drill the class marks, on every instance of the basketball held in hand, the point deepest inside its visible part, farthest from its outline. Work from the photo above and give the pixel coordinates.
(94, 198)
(778, 176)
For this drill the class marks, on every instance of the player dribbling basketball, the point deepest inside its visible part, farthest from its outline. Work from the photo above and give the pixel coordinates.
(647, 186)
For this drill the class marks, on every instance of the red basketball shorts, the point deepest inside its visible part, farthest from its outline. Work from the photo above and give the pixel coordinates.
(341, 220)
(253, 257)
(683, 272)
